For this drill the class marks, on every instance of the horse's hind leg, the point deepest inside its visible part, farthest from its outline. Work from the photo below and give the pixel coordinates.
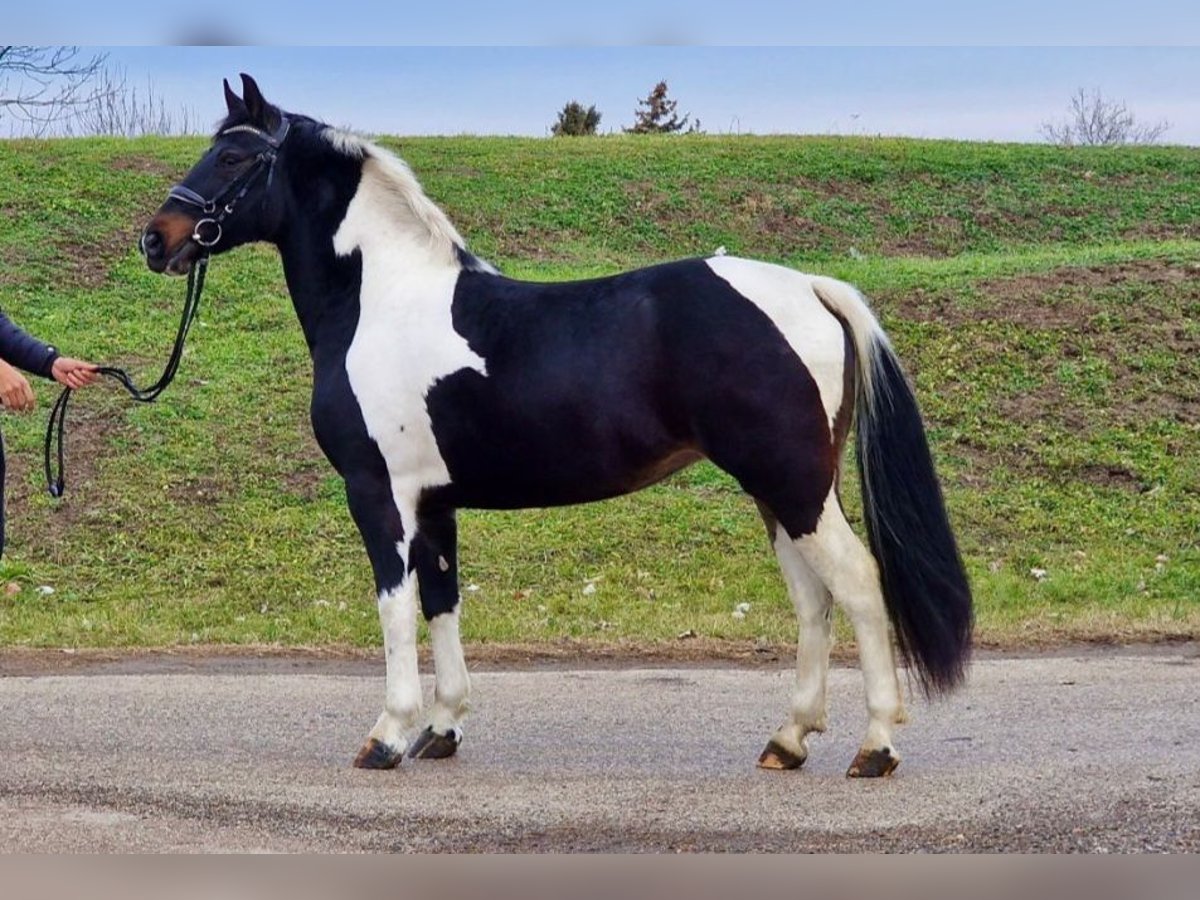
(849, 571)
(788, 747)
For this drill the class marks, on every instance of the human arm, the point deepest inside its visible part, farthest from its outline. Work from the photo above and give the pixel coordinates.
(24, 351)
(21, 349)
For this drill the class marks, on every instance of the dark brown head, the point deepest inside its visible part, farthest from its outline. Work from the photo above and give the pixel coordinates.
(225, 200)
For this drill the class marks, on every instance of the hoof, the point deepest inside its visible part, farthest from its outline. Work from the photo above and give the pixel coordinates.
(375, 754)
(778, 757)
(431, 745)
(873, 763)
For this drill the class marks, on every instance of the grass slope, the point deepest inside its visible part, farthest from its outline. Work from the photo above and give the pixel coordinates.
(1046, 302)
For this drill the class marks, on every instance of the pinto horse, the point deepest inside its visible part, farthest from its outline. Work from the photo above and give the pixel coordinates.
(440, 384)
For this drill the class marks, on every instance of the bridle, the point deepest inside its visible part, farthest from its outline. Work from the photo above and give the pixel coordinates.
(218, 209)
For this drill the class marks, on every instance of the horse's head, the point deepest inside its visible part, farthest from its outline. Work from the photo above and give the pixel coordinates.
(224, 201)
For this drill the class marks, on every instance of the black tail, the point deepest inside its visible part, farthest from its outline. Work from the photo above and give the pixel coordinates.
(924, 585)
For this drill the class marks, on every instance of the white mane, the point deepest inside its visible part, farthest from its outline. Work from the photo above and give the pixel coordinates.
(402, 192)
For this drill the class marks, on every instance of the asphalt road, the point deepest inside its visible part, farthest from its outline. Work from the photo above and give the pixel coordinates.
(1088, 751)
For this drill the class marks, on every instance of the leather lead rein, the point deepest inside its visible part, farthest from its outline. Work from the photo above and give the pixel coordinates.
(57, 425)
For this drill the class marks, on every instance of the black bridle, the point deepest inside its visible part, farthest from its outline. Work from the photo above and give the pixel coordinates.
(217, 209)
(206, 234)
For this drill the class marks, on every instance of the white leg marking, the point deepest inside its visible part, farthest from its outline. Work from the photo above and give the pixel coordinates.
(814, 607)
(402, 702)
(453, 685)
(847, 568)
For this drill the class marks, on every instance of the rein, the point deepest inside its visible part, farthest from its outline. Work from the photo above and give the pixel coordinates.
(56, 427)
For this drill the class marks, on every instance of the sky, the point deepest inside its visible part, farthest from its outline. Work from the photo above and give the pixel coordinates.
(612, 22)
(980, 70)
(977, 93)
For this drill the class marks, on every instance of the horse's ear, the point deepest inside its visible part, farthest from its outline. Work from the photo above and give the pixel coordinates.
(261, 112)
(232, 100)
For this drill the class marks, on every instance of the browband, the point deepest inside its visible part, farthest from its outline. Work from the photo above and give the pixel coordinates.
(274, 139)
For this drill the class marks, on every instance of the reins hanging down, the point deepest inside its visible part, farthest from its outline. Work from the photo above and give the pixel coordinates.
(57, 425)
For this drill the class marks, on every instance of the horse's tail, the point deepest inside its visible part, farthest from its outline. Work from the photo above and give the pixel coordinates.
(924, 585)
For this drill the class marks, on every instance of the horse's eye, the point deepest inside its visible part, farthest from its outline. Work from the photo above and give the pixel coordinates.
(230, 158)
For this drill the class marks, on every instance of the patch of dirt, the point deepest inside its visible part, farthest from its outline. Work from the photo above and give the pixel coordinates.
(11, 262)
(87, 264)
(788, 228)
(300, 467)
(305, 481)
(1047, 403)
(1022, 299)
(200, 491)
(74, 262)
(145, 165)
(1111, 476)
(1077, 307)
(1074, 278)
(983, 462)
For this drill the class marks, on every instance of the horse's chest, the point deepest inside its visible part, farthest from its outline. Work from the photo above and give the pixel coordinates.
(399, 351)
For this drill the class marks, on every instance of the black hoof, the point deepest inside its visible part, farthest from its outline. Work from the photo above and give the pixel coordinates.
(779, 757)
(376, 754)
(873, 763)
(431, 745)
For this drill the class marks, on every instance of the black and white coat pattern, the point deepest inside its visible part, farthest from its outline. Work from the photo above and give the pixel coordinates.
(440, 384)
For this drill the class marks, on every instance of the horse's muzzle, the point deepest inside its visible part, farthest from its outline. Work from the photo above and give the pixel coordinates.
(167, 244)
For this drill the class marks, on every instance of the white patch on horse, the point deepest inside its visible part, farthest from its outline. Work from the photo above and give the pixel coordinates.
(402, 703)
(396, 187)
(405, 341)
(850, 573)
(452, 684)
(787, 298)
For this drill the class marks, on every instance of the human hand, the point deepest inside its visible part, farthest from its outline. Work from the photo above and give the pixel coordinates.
(15, 392)
(73, 373)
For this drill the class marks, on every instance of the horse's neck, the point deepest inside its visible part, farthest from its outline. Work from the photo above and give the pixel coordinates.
(368, 269)
(389, 252)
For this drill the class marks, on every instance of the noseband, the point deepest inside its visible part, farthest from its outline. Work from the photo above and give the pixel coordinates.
(207, 231)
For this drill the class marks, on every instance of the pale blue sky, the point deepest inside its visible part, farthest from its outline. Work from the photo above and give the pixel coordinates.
(524, 22)
(988, 93)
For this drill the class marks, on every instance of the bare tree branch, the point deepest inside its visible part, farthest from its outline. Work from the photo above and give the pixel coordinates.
(117, 109)
(1095, 121)
(42, 86)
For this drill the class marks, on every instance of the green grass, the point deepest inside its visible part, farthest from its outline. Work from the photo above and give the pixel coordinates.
(1045, 301)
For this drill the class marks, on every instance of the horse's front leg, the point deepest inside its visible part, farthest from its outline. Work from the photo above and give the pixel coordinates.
(386, 524)
(434, 560)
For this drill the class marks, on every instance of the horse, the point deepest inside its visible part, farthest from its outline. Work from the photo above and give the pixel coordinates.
(440, 384)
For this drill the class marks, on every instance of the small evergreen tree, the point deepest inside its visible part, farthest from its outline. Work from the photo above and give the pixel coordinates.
(656, 114)
(574, 120)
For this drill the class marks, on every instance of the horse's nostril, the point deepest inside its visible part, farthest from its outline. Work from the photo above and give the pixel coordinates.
(152, 244)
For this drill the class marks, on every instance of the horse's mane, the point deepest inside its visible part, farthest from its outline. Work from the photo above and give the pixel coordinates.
(394, 176)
